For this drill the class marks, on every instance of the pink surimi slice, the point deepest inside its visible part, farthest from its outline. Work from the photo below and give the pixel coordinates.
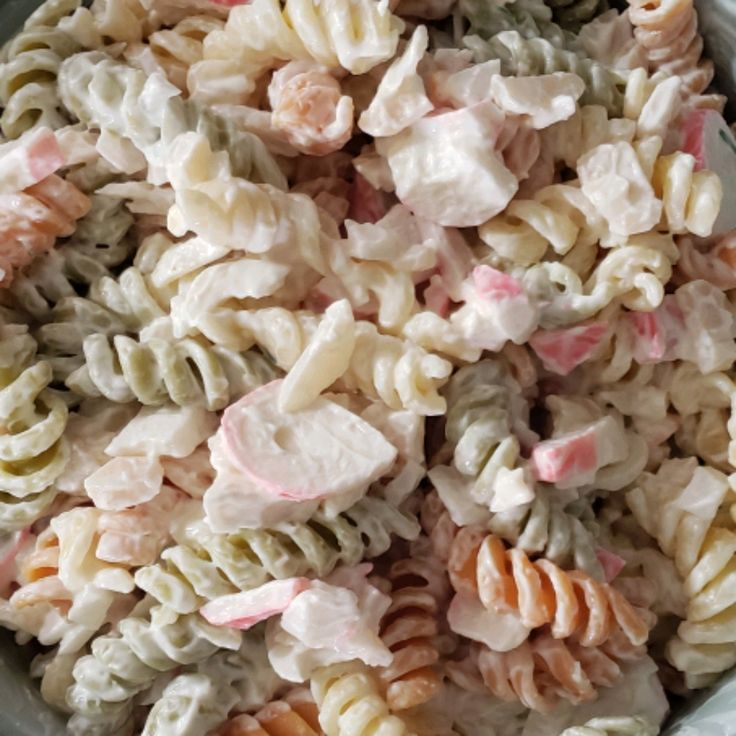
(611, 563)
(572, 460)
(707, 137)
(244, 610)
(29, 160)
(562, 351)
(493, 285)
(656, 334)
(316, 452)
(560, 459)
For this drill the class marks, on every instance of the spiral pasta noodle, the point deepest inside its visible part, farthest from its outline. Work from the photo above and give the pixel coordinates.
(295, 713)
(350, 703)
(479, 423)
(409, 629)
(28, 72)
(531, 22)
(552, 531)
(176, 49)
(207, 565)
(574, 13)
(197, 701)
(524, 57)
(571, 602)
(356, 36)
(668, 30)
(704, 556)
(126, 663)
(543, 670)
(113, 305)
(33, 452)
(32, 220)
(105, 93)
(155, 371)
(98, 245)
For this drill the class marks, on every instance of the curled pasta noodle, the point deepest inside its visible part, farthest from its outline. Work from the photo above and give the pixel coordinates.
(704, 556)
(409, 629)
(28, 93)
(33, 452)
(356, 36)
(668, 30)
(487, 20)
(482, 424)
(196, 702)
(614, 726)
(112, 306)
(295, 713)
(127, 662)
(107, 94)
(635, 274)
(552, 531)
(175, 50)
(98, 245)
(543, 670)
(206, 565)
(572, 603)
(559, 217)
(156, 371)
(350, 703)
(32, 220)
(575, 13)
(524, 57)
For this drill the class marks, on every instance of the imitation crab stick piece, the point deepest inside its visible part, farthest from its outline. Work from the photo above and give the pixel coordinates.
(316, 452)
(573, 459)
(29, 160)
(244, 610)
(561, 351)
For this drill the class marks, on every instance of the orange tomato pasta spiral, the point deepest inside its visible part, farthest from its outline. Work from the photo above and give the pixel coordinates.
(571, 603)
(31, 220)
(410, 629)
(294, 715)
(542, 671)
(668, 30)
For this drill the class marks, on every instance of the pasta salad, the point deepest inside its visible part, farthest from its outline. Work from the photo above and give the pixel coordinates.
(367, 366)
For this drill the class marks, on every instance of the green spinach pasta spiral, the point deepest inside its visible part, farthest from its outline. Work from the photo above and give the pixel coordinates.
(155, 371)
(531, 56)
(33, 452)
(28, 91)
(209, 565)
(127, 662)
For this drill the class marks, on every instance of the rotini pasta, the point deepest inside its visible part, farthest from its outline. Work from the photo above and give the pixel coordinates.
(126, 663)
(296, 712)
(350, 704)
(703, 555)
(522, 57)
(33, 452)
(669, 33)
(542, 593)
(155, 371)
(205, 565)
(574, 13)
(410, 629)
(28, 72)
(258, 36)
(543, 671)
